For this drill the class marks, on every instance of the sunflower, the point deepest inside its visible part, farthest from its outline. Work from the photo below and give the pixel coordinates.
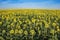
(54, 24)
(33, 20)
(20, 31)
(3, 31)
(58, 29)
(26, 32)
(14, 19)
(1, 23)
(20, 22)
(52, 31)
(12, 31)
(32, 32)
(46, 25)
(16, 31)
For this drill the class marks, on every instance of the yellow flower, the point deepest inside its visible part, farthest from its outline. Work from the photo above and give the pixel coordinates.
(25, 26)
(18, 27)
(37, 24)
(33, 20)
(0, 23)
(3, 31)
(20, 22)
(12, 31)
(29, 22)
(46, 25)
(58, 29)
(52, 31)
(32, 32)
(26, 32)
(44, 21)
(54, 24)
(16, 31)
(14, 19)
(20, 31)
(2, 17)
(12, 25)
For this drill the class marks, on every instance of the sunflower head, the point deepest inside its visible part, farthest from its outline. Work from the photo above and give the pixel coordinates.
(52, 31)
(54, 24)
(3, 31)
(46, 25)
(0, 23)
(12, 31)
(16, 31)
(33, 20)
(32, 32)
(26, 32)
(21, 31)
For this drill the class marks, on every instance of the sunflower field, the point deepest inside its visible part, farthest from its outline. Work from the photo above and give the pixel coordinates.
(29, 24)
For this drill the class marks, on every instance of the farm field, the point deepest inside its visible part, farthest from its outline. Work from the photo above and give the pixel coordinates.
(29, 24)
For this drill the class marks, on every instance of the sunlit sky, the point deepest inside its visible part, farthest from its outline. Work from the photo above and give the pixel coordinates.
(42, 4)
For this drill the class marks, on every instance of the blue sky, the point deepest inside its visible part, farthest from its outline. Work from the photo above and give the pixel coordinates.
(42, 4)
